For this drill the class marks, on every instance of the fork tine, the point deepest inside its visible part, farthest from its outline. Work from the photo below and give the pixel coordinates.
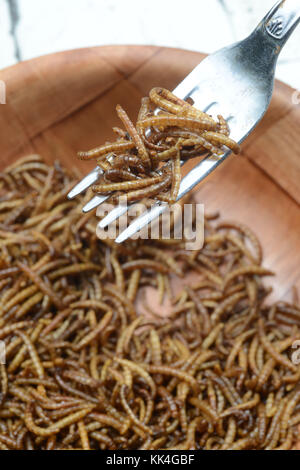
(95, 202)
(197, 174)
(118, 211)
(86, 182)
(113, 215)
(141, 222)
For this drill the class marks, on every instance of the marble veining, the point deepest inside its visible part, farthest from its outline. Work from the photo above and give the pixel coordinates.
(29, 28)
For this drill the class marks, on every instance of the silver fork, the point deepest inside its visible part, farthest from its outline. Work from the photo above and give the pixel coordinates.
(237, 82)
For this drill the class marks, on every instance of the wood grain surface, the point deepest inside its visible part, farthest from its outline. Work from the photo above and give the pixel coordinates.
(65, 102)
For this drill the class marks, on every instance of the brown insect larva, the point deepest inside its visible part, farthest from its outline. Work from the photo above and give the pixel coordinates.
(155, 348)
(19, 357)
(148, 192)
(142, 151)
(291, 405)
(228, 390)
(126, 185)
(95, 332)
(111, 291)
(106, 420)
(140, 371)
(247, 232)
(118, 273)
(176, 178)
(242, 406)
(166, 395)
(115, 175)
(206, 322)
(33, 353)
(98, 374)
(133, 284)
(252, 355)
(211, 395)
(169, 120)
(191, 433)
(275, 424)
(240, 244)
(205, 408)
(19, 297)
(7, 330)
(101, 437)
(131, 161)
(35, 278)
(173, 372)
(96, 304)
(236, 347)
(145, 264)
(165, 99)
(126, 336)
(201, 145)
(103, 150)
(271, 350)
(120, 132)
(262, 422)
(265, 372)
(83, 435)
(171, 134)
(223, 127)
(230, 434)
(241, 444)
(73, 269)
(221, 139)
(287, 442)
(257, 270)
(81, 378)
(211, 338)
(136, 153)
(74, 391)
(164, 257)
(228, 303)
(150, 145)
(166, 154)
(55, 428)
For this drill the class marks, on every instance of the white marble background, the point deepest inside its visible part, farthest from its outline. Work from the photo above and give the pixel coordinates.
(29, 28)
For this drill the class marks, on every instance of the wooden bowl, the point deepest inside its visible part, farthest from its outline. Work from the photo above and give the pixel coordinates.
(60, 103)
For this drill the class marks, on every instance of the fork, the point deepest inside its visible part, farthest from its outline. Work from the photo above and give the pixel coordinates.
(237, 82)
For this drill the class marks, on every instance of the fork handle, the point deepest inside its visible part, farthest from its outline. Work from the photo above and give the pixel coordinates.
(281, 21)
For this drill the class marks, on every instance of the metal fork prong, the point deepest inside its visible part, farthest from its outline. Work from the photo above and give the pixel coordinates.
(95, 202)
(237, 79)
(195, 176)
(206, 108)
(120, 210)
(86, 182)
(113, 215)
(141, 222)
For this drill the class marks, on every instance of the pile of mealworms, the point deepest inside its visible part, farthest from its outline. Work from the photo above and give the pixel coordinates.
(84, 370)
(145, 160)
